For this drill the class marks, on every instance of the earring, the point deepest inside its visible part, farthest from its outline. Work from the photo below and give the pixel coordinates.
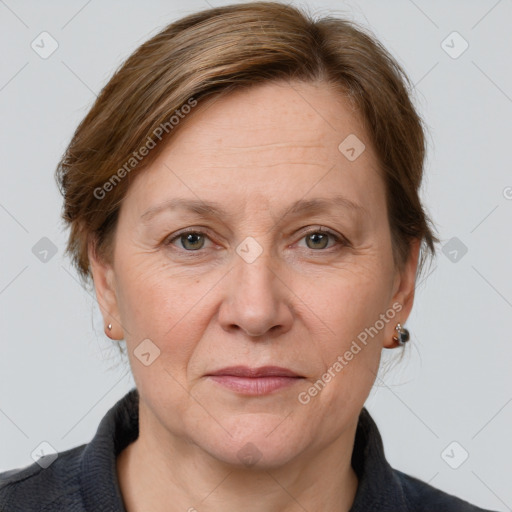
(403, 334)
(109, 327)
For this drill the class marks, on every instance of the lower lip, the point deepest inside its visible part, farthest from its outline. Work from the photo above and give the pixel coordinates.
(254, 385)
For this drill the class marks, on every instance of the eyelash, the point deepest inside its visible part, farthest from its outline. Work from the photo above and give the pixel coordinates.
(340, 241)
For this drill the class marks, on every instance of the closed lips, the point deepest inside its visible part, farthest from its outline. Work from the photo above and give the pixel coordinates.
(248, 372)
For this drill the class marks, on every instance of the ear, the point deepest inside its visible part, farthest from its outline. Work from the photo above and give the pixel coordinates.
(403, 294)
(104, 284)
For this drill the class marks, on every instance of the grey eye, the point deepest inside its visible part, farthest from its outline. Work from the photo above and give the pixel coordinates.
(318, 240)
(192, 241)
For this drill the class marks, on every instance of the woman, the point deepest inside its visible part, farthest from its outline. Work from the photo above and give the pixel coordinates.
(244, 196)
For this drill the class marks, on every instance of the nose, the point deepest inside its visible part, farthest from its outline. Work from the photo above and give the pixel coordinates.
(257, 301)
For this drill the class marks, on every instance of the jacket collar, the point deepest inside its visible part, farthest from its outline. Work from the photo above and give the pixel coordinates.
(379, 486)
(98, 476)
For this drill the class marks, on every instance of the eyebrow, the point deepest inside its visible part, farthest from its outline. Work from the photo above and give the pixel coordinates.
(216, 210)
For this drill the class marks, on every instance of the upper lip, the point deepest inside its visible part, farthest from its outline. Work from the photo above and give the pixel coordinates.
(262, 371)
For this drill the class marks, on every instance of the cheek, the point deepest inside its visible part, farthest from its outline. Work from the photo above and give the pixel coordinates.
(345, 302)
(344, 314)
(164, 305)
(155, 304)
(149, 304)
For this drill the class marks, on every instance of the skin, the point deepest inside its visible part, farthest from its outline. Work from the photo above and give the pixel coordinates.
(299, 305)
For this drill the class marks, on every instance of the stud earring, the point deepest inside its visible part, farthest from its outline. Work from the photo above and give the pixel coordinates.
(403, 334)
(108, 331)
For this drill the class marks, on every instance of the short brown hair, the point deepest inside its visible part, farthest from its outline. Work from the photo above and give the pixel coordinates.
(214, 52)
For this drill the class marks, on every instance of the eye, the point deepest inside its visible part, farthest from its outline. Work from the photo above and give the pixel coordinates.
(190, 240)
(318, 239)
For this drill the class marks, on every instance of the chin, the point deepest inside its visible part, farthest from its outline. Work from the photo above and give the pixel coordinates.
(254, 457)
(264, 444)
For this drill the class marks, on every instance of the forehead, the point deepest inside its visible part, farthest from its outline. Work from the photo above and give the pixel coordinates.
(276, 142)
(292, 116)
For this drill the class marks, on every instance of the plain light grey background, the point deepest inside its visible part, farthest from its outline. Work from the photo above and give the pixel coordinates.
(59, 374)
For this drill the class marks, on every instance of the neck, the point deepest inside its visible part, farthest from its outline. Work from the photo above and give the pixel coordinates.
(183, 477)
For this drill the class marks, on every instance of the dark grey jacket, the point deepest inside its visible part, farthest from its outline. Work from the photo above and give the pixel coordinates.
(85, 479)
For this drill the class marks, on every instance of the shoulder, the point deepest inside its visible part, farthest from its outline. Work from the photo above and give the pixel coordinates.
(422, 497)
(53, 488)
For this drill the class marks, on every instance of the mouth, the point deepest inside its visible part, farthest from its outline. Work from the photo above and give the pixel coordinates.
(255, 381)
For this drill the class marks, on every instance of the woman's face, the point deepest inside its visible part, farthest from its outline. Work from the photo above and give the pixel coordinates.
(255, 284)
